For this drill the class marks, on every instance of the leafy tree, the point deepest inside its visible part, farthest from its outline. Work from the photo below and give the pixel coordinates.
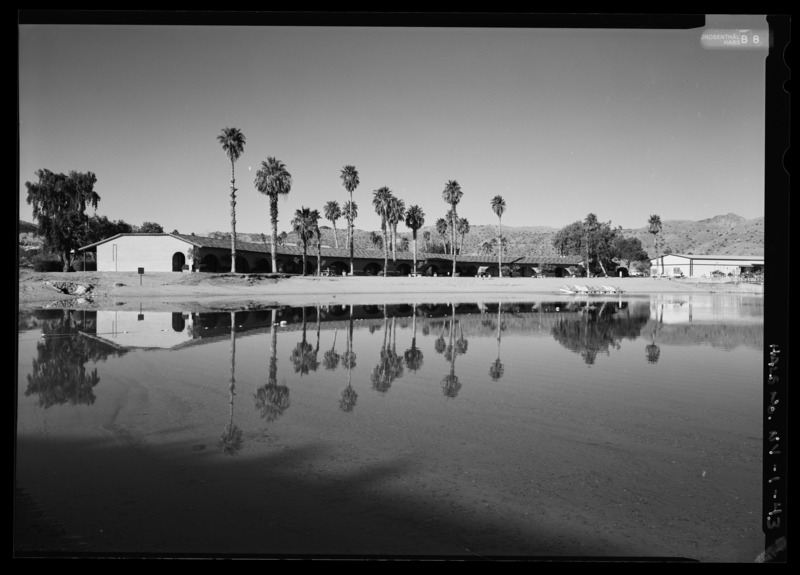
(463, 230)
(350, 213)
(396, 214)
(332, 213)
(654, 227)
(415, 219)
(381, 202)
(232, 141)
(426, 237)
(150, 228)
(499, 208)
(304, 225)
(274, 180)
(350, 181)
(100, 227)
(376, 240)
(59, 204)
(629, 250)
(441, 229)
(452, 195)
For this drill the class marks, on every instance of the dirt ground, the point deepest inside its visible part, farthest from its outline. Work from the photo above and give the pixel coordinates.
(207, 292)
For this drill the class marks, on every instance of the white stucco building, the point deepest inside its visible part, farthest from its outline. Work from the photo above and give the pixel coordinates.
(690, 265)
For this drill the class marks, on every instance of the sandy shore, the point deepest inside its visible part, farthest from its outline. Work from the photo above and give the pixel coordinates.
(153, 291)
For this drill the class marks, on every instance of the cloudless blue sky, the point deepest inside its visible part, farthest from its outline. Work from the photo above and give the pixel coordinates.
(560, 122)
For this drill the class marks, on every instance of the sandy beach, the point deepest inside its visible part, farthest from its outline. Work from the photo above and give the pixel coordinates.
(195, 291)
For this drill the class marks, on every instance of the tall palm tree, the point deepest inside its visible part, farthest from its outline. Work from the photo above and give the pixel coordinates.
(654, 227)
(499, 207)
(273, 180)
(271, 399)
(348, 397)
(332, 213)
(441, 229)
(415, 219)
(463, 229)
(426, 237)
(232, 437)
(452, 195)
(304, 223)
(349, 176)
(414, 356)
(232, 141)
(397, 211)
(381, 201)
(350, 213)
(496, 369)
(450, 384)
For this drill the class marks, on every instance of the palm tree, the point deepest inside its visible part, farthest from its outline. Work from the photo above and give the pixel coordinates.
(654, 228)
(303, 356)
(463, 229)
(332, 213)
(426, 237)
(413, 356)
(415, 219)
(232, 439)
(441, 229)
(330, 359)
(382, 201)
(304, 223)
(499, 207)
(452, 195)
(232, 141)
(350, 182)
(350, 213)
(397, 211)
(318, 236)
(496, 369)
(273, 180)
(450, 384)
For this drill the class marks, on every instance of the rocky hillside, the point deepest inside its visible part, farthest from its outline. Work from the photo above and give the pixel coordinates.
(724, 234)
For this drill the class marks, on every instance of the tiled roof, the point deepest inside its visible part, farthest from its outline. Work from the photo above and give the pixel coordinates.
(344, 254)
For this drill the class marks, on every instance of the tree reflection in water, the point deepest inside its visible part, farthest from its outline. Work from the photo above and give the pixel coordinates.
(59, 374)
(597, 328)
(497, 369)
(653, 351)
(272, 400)
(303, 357)
(232, 438)
(330, 359)
(413, 356)
(390, 366)
(450, 384)
(348, 396)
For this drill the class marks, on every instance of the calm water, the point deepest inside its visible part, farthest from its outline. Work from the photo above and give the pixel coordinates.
(618, 427)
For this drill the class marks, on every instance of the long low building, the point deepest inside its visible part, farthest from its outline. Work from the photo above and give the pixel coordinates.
(162, 252)
(695, 266)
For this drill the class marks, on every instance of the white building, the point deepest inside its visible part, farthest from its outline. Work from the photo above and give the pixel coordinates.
(696, 266)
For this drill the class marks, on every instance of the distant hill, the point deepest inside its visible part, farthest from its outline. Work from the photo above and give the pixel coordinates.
(727, 234)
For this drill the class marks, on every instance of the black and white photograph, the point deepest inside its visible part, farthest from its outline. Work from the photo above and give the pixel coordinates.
(364, 286)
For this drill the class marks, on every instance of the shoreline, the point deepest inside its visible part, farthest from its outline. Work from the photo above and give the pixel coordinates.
(196, 291)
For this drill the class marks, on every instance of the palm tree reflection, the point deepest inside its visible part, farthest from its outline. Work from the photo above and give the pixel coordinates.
(348, 396)
(497, 369)
(653, 351)
(232, 437)
(450, 384)
(390, 366)
(413, 356)
(272, 400)
(330, 359)
(303, 357)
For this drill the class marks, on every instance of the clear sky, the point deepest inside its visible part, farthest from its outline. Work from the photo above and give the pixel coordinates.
(560, 122)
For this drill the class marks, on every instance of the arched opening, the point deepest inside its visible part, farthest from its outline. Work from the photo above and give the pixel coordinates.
(403, 269)
(178, 261)
(338, 267)
(559, 272)
(209, 263)
(470, 271)
(262, 265)
(493, 271)
(242, 265)
(178, 322)
(431, 270)
(372, 269)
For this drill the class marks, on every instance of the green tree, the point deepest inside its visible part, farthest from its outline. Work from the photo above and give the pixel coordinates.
(232, 141)
(274, 180)
(381, 202)
(350, 181)
(304, 224)
(629, 250)
(463, 230)
(150, 228)
(415, 219)
(397, 211)
(332, 213)
(654, 227)
(499, 208)
(452, 195)
(100, 227)
(441, 229)
(59, 205)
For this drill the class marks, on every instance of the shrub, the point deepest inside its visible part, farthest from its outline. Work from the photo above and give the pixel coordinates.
(43, 263)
